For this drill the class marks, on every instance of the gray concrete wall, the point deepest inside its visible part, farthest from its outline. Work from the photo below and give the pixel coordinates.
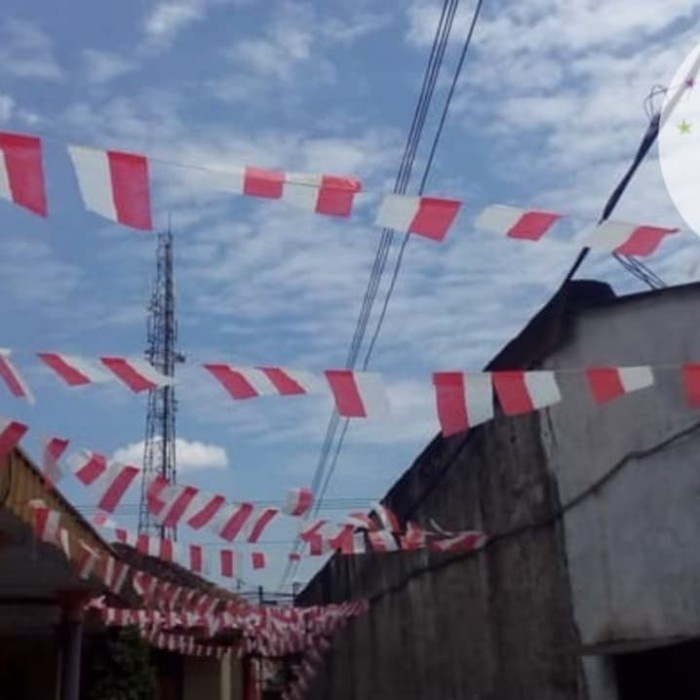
(492, 626)
(620, 569)
(634, 547)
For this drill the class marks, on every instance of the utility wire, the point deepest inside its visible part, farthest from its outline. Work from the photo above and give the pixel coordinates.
(424, 179)
(399, 260)
(657, 120)
(402, 180)
(403, 175)
(631, 265)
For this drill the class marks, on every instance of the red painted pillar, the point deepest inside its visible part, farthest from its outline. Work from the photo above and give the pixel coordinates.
(251, 679)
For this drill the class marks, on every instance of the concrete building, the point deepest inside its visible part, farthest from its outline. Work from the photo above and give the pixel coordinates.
(181, 677)
(46, 636)
(590, 586)
(41, 594)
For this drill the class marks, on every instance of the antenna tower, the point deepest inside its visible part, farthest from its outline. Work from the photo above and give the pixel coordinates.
(159, 458)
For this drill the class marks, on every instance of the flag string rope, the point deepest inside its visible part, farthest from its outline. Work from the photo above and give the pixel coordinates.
(462, 399)
(117, 185)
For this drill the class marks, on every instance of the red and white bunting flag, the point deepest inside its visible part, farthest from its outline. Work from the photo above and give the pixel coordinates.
(426, 216)
(608, 383)
(523, 392)
(231, 519)
(64, 541)
(156, 547)
(462, 400)
(87, 466)
(12, 378)
(144, 584)
(75, 371)
(125, 536)
(116, 573)
(22, 172)
(257, 560)
(383, 541)
(387, 517)
(177, 501)
(251, 382)
(53, 450)
(196, 559)
(102, 520)
(346, 541)
(359, 543)
(47, 524)
(157, 490)
(324, 194)
(691, 382)
(11, 433)
(357, 394)
(257, 182)
(113, 484)
(114, 184)
(313, 533)
(139, 375)
(625, 238)
(360, 521)
(227, 559)
(514, 222)
(203, 509)
(298, 501)
(414, 538)
(259, 520)
(87, 560)
(459, 542)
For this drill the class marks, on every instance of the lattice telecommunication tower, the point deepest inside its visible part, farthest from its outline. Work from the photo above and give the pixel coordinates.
(159, 459)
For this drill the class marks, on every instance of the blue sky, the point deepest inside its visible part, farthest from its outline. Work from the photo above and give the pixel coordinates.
(548, 113)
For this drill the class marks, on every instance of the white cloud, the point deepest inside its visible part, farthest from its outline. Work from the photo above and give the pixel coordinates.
(191, 455)
(168, 19)
(27, 52)
(103, 66)
(7, 107)
(356, 25)
(288, 53)
(59, 279)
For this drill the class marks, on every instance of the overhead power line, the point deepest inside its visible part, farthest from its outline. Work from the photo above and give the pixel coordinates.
(326, 468)
(399, 259)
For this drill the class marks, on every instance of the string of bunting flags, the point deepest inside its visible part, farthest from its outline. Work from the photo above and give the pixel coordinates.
(172, 615)
(462, 399)
(177, 504)
(117, 186)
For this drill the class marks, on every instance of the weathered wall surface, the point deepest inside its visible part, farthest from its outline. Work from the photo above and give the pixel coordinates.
(493, 625)
(633, 546)
(622, 565)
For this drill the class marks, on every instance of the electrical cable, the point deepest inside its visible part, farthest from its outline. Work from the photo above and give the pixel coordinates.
(406, 238)
(403, 175)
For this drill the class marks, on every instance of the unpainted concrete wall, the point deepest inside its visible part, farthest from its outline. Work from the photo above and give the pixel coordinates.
(633, 547)
(622, 565)
(495, 625)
